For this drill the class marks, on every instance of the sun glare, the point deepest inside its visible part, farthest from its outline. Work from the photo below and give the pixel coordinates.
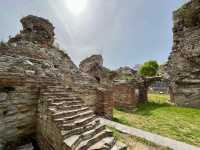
(76, 6)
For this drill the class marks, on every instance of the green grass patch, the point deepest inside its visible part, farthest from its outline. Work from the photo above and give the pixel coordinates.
(135, 143)
(160, 117)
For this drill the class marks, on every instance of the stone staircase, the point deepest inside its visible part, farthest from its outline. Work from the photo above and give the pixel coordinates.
(78, 125)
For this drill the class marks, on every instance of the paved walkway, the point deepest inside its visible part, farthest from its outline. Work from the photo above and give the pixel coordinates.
(157, 139)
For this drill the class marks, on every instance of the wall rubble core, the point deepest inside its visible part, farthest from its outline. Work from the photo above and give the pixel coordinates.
(183, 63)
(40, 90)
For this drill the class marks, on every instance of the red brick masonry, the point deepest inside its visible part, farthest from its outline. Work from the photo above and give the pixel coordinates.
(124, 95)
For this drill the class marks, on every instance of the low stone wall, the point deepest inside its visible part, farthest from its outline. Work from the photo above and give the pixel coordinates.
(124, 96)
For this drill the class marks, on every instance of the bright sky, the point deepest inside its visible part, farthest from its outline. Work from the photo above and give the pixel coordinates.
(125, 32)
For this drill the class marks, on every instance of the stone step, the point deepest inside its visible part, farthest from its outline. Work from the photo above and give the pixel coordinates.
(62, 99)
(56, 90)
(72, 107)
(84, 145)
(80, 130)
(57, 87)
(119, 146)
(52, 109)
(106, 143)
(75, 102)
(91, 133)
(100, 146)
(74, 140)
(59, 96)
(62, 114)
(57, 103)
(110, 141)
(61, 104)
(78, 123)
(47, 92)
(74, 117)
(57, 109)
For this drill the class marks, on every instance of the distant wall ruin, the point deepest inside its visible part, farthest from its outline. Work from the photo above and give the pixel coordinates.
(119, 94)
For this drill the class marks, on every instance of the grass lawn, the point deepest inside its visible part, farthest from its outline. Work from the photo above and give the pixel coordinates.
(159, 116)
(135, 143)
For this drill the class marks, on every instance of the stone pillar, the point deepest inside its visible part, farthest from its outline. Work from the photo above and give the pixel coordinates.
(171, 92)
(124, 96)
(105, 104)
(143, 94)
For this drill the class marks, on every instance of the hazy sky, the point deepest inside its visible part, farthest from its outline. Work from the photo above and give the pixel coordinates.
(125, 32)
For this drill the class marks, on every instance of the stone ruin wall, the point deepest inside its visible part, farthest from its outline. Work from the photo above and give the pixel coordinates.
(124, 96)
(109, 91)
(21, 78)
(18, 105)
(131, 91)
(183, 64)
(47, 133)
(37, 30)
(123, 83)
(26, 67)
(93, 66)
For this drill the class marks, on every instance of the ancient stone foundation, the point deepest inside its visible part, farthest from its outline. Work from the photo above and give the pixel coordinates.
(183, 65)
(45, 97)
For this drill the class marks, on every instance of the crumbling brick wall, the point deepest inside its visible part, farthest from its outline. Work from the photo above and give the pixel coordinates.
(124, 95)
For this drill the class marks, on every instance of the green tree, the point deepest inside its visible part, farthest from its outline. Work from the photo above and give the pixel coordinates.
(149, 68)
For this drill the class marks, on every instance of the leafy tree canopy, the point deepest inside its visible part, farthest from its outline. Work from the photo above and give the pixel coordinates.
(149, 68)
